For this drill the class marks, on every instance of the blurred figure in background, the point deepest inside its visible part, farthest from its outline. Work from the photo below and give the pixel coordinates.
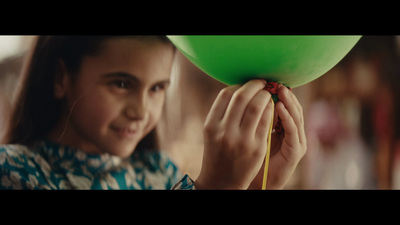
(362, 88)
(375, 76)
(338, 157)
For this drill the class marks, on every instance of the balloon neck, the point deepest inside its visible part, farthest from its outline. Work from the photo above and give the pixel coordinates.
(272, 87)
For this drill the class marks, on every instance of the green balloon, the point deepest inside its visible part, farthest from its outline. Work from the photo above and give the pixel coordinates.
(289, 60)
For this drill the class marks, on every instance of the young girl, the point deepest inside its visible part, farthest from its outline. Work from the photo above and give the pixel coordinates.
(87, 108)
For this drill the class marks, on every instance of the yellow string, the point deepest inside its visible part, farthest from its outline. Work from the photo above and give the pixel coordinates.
(264, 184)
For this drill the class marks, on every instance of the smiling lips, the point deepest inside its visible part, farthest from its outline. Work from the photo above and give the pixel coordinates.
(125, 132)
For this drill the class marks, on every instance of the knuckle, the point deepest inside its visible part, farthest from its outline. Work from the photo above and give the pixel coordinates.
(265, 121)
(292, 156)
(239, 97)
(304, 149)
(227, 92)
(208, 128)
(254, 109)
(226, 141)
(301, 109)
(258, 154)
(296, 156)
(244, 146)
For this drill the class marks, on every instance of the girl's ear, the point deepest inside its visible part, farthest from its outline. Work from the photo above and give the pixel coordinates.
(61, 81)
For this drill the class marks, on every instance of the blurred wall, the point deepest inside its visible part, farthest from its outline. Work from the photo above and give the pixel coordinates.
(12, 52)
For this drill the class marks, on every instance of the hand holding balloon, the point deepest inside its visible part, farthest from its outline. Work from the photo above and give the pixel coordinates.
(235, 134)
(288, 148)
(235, 137)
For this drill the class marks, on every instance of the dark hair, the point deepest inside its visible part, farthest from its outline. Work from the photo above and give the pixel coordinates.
(36, 111)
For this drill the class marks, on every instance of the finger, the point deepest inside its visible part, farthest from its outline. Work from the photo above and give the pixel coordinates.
(302, 133)
(220, 104)
(275, 118)
(297, 104)
(240, 100)
(291, 132)
(285, 97)
(254, 111)
(265, 121)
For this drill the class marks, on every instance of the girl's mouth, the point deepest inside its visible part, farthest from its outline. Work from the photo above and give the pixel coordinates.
(125, 132)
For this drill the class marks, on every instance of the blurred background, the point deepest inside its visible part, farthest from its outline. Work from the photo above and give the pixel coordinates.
(352, 115)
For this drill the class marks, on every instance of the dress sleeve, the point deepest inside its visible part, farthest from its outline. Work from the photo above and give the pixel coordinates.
(186, 183)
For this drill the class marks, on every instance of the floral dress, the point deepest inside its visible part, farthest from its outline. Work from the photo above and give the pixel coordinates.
(51, 166)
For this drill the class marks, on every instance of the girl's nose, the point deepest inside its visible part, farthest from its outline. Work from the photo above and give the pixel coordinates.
(136, 110)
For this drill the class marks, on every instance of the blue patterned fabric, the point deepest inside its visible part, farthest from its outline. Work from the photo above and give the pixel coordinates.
(48, 165)
(186, 183)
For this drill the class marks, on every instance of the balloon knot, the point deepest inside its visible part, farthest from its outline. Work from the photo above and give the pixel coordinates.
(272, 87)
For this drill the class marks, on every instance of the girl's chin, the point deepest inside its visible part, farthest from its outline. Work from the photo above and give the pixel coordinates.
(122, 151)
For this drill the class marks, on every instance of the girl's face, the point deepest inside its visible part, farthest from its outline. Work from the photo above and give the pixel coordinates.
(117, 96)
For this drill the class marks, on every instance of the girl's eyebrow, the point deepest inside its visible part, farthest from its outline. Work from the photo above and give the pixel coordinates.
(131, 77)
(121, 75)
(163, 82)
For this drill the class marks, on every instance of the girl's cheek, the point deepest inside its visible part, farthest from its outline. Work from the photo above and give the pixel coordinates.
(95, 112)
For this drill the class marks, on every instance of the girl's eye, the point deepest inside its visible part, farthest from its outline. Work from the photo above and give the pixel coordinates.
(158, 87)
(120, 84)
